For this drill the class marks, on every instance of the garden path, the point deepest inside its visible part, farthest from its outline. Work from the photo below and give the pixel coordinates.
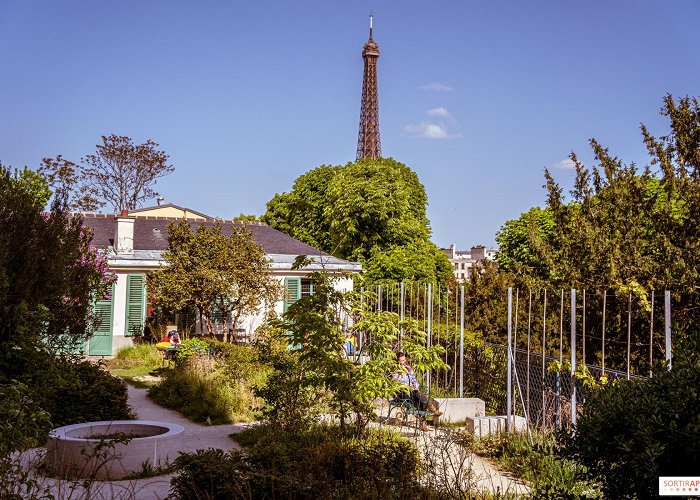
(195, 437)
(484, 476)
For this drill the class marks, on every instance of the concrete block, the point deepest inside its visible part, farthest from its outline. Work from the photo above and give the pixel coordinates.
(484, 426)
(458, 409)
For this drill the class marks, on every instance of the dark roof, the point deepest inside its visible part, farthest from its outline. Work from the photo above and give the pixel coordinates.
(150, 233)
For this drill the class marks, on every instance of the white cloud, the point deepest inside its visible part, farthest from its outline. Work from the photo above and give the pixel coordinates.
(441, 112)
(437, 87)
(427, 130)
(567, 164)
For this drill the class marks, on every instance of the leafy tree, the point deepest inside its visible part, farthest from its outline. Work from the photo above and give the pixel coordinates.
(517, 243)
(301, 212)
(211, 272)
(371, 211)
(375, 204)
(120, 173)
(49, 273)
(419, 261)
(246, 218)
(623, 228)
(317, 325)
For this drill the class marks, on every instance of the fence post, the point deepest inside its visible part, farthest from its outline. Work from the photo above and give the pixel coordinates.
(403, 311)
(651, 336)
(573, 356)
(430, 325)
(510, 360)
(629, 332)
(544, 351)
(667, 328)
(461, 345)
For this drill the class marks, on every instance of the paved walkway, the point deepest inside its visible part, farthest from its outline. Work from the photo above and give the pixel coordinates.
(450, 462)
(195, 437)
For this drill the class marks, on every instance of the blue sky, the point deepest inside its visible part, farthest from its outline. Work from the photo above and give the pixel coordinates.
(476, 97)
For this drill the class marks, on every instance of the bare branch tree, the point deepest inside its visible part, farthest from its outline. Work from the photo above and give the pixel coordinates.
(120, 173)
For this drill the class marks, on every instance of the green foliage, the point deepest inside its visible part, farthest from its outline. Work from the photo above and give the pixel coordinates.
(70, 389)
(319, 462)
(632, 432)
(623, 228)
(320, 366)
(214, 388)
(540, 463)
(420, 261)
(81, 391)
(207, 270)
(371, 211)
(49, 273)
(517, 243)
(301, 212)
(189, 348)
(23, 424)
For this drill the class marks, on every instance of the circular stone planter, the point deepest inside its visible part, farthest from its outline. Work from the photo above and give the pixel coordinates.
(100, 450)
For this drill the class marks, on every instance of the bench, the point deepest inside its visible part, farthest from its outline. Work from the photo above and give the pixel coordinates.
(405, 407)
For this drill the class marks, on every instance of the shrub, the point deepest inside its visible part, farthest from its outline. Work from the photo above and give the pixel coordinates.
(635, 431)
(84, 392)
(72, 390)
(215, 388)
(321, 462)
(541, 463)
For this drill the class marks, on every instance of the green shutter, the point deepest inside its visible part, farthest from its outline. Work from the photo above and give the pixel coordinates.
(292, 291)
(101, 339)
(135, 303)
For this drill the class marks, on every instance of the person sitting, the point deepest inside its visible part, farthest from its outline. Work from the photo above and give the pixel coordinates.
(349, 345)
(412, 392)
(173, 337)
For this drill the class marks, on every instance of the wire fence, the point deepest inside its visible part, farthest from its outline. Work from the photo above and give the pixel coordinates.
(559, 340)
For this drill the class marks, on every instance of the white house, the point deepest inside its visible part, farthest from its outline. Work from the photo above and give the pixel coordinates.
(134, 244)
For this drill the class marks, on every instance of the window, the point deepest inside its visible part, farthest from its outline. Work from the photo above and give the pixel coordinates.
(307, 288)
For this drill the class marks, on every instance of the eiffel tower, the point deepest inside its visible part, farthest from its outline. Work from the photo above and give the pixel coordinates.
(368, 143)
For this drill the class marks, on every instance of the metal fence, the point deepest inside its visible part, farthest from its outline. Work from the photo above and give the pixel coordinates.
(552, 335)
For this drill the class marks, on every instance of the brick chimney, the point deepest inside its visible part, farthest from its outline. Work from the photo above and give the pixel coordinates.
(124, 233)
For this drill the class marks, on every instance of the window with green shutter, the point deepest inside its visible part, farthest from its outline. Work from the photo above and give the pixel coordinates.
(292, 291)
(135, 303)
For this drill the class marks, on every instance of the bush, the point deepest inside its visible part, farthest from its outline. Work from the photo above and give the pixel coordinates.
(213, 385)
(321, 462)
(84, 392)
(71, 389)
(635, 431)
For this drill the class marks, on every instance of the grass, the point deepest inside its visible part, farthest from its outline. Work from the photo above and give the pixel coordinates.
(135, 363)
(539, 463)
(216, 389)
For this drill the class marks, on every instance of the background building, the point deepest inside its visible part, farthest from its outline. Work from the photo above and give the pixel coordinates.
(463, 260)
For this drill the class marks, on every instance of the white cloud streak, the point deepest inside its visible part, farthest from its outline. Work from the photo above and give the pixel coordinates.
(427, 130)
(564, 164)
(441, 112)
(436, 87)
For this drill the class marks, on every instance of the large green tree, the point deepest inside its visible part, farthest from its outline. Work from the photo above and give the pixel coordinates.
(370, 211)
(622, 228)
(50, 275)
(212, 273)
